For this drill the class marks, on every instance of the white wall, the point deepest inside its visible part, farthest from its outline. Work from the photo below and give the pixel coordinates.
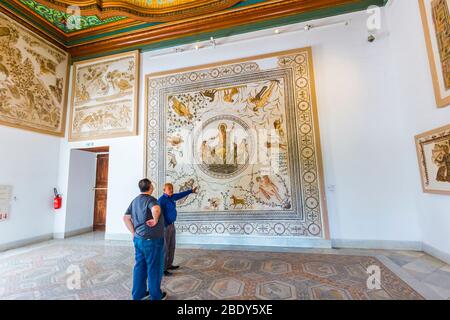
(415, 96)
(28, 162)
(373, 197)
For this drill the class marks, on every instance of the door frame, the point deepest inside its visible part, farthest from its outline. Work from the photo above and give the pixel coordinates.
(98, 151)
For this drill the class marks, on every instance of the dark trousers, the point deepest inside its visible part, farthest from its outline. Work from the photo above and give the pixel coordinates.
(149, 255)
(169, 245)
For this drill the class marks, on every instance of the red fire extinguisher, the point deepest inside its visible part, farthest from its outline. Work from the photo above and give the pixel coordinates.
(57, 201)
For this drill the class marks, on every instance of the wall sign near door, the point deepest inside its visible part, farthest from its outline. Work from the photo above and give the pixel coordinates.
(5, 202)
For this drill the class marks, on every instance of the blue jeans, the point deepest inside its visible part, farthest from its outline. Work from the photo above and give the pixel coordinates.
(149, 265)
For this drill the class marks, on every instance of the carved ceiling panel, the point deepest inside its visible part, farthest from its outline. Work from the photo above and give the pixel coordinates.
(143, 10)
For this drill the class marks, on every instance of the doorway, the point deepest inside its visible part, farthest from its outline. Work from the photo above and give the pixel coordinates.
(99, 187)
(101, 192)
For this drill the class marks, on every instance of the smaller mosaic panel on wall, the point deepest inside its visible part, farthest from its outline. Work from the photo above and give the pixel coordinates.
(105, 97)
(33, 80)
(244, 132)
(433, 150)
(436, 24)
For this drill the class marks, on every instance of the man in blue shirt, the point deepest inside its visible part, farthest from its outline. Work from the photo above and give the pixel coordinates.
(144, 220)
(167, 202)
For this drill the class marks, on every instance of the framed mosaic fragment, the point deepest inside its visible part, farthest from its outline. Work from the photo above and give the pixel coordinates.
(433, 151)
(246, 133)
(105, 97)
(33, 80)
(436, 24)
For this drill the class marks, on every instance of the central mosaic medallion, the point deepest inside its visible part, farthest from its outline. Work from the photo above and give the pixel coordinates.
(223, 147)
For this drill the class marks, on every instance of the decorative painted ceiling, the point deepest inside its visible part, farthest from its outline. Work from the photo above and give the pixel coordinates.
(60, 19)
(144, 10)
(98, 27)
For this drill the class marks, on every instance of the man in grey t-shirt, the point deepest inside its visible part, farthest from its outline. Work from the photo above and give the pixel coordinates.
(146, 223)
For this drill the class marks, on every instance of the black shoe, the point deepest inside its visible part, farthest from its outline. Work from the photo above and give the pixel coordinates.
(173, 267)
(147, 296)
(168, 274)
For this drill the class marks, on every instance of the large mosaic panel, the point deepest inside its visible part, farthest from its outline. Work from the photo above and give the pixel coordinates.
(33, 80)
(105, 97)
(246, 133)
(436, 23)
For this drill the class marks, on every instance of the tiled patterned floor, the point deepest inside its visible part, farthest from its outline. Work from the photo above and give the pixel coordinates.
(43, 271)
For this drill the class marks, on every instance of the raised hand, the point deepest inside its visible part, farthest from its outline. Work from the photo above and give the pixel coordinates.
(194, 190)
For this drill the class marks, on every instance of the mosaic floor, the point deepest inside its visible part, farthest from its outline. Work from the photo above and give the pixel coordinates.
(49, 271)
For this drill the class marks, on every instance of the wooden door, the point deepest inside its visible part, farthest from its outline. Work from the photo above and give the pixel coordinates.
(101, 192)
